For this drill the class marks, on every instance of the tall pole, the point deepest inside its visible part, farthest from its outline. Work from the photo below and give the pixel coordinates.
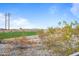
(8, 15)
(5, 21)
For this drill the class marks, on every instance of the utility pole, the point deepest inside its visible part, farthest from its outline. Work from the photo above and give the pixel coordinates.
(7, 21)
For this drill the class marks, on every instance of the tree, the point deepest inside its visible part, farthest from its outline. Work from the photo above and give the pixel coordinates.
(59, 23)
(64, 22)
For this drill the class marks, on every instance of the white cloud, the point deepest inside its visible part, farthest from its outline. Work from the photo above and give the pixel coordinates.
(75, 9)
(20, 23)
(2, 21)
(16, 23)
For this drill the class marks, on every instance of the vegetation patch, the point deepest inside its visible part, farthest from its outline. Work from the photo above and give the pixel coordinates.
(61, 40)
(4, 35)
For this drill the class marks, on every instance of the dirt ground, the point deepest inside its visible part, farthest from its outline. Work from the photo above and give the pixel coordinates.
(21, 50)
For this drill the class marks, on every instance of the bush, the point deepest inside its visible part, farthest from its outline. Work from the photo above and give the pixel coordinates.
(59, 40)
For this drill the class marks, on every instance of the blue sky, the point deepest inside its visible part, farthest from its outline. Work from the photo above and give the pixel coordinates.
(38, 15)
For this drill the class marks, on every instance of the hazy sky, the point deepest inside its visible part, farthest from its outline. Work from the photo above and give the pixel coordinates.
(38, 15)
